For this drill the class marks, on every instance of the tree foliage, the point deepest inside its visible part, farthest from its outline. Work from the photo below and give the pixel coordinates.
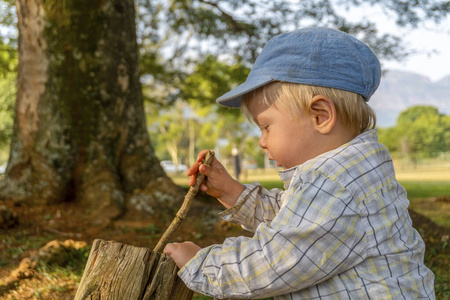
(177, 35)
(8, 69)
(7, 100)
(421, 131)
(195, 50)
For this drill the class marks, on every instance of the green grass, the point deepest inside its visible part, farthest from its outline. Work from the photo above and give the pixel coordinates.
(269, 184)
(415, 189)
(424, 189)
(423, 199)
(19, 242)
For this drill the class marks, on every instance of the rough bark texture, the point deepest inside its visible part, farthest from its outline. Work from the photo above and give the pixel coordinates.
(80, 130)
(119, 271)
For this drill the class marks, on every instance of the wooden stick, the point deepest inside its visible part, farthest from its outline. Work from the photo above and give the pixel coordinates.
(182, 212)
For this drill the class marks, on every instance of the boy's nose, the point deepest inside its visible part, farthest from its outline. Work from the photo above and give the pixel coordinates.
(262, 142)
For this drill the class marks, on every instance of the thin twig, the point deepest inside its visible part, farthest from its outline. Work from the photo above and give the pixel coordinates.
(60, 233)
(182, 212)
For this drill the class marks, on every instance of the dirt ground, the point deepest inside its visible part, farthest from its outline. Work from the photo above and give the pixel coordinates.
(37, 226)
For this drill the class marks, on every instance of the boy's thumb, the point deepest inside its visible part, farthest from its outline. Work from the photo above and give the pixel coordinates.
(204, 169)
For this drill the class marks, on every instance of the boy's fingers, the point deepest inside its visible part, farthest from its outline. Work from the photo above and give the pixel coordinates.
(191, 180)
(199, 167)
(193, 170)
(201, 155)
(169, 248)
(204, 169)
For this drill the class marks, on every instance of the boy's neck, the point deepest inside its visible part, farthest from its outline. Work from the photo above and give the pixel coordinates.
(337, 137)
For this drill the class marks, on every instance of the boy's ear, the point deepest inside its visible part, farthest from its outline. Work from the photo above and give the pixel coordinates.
(323, 112)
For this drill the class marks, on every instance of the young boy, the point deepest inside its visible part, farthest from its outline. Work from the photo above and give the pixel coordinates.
(341, 228)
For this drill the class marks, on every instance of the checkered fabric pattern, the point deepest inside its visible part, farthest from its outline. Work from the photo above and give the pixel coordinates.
(340, 230)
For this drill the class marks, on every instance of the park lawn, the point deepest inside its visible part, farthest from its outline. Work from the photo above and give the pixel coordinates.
(426, 189)
(431, 199)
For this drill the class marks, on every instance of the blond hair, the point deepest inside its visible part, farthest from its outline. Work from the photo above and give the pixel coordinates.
(351, 109)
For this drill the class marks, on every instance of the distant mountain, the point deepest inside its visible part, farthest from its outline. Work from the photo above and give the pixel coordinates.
(399, 90)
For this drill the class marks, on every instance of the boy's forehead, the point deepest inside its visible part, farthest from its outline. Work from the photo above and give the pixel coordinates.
(257, 105)
(265, 95)
(259, 108)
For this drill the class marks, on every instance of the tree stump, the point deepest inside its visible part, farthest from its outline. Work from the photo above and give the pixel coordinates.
(119, 271)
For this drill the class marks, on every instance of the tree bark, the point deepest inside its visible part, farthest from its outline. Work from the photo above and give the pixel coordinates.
(119, 271)
(80, 131)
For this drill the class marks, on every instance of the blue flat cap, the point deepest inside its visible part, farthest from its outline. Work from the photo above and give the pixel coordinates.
(313, 56)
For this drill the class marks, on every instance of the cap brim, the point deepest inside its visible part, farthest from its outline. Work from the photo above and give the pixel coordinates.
(234, 97)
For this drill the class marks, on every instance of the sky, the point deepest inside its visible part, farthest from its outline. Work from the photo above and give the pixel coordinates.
(430, 41)
(433, 61)
(436, 65)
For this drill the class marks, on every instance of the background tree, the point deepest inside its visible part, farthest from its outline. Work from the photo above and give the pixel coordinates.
(169, 130)
(177, 35)
(7, 101)
(210, 79)
(8, 70)
(420, 132)
(79, 129)
(186, 48)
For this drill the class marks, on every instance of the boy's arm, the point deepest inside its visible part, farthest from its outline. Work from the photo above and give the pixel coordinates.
(254, 206)
(246, 205)
(316, 235)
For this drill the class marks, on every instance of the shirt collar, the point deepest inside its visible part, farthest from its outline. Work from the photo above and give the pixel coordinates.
(286, 176)
(369, 136)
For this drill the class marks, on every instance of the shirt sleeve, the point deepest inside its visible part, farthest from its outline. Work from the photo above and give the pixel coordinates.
(255, 205)
(317, 234)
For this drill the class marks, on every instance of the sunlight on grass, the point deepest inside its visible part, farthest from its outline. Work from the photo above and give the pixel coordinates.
(426, 189)
(434, 209)
(52, 283)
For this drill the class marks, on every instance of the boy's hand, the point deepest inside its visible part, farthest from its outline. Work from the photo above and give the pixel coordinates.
(181, 253)
(218, 182)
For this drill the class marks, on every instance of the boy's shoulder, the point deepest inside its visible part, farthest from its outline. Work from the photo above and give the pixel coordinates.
(360, 163)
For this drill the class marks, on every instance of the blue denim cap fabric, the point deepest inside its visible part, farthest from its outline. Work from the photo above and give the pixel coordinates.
(313, 56)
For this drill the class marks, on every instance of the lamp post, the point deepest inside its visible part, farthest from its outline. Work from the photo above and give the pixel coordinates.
(236, 162)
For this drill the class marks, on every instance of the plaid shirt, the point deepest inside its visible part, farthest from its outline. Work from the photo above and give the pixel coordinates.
(340, 230)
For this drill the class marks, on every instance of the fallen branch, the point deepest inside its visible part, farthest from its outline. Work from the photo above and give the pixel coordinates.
(60, 233)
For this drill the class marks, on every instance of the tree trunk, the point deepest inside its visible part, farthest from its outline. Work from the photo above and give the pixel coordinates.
(80, 131)
(119, 271)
